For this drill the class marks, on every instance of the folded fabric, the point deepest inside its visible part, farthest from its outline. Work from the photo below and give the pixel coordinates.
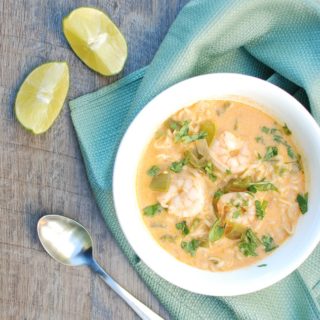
(276, 40)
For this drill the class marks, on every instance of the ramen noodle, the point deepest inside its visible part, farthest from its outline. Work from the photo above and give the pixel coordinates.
(221, 185)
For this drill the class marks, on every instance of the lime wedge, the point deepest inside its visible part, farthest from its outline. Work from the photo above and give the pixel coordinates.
(96, 40)
(41, 96)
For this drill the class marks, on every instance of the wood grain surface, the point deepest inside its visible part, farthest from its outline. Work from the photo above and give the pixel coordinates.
(45, 174)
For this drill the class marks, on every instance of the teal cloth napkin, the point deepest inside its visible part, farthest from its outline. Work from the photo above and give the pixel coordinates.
(276, 40)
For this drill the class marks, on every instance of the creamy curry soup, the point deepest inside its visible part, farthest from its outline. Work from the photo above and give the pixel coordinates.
(221, 185)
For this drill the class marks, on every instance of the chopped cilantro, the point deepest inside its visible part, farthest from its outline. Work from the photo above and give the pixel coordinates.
(268, 243)
(174, 125)
(194, 137)
(273, 130)
(183, 227)
(290, 152)
(262, 265)
(249, 243)
(245, 202)
(177, 166)
(265, 130)
(261, 208)
(152, 210)
(303, 202)
(217, 195)
(182, 130)
(209, 169)
(270, 153)
(259, 139)
(228, 172)
(153, 171)
(191, 246)
(277, 138)
(262, 186)
(286, 130)
(216, 231)
(244, 185)
(299, 162)
(236, 214)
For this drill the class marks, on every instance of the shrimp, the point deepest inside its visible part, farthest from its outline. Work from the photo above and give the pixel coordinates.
(237, 207)
(186, 194)
(230, 153)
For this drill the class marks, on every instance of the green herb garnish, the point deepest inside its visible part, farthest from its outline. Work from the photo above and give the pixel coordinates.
(290, 152)
(249, 243)
(182, 130)
(299, 162)
(216, 231)
(259, 139)
(262, 186)
(153, 171)
(194, 137)
(262, 265)
(236, 214)
(209, 169)
(303, 202)
(174, 125)
(270, 153)
(261, 208)
(236, 185)
(268, 243)
(177, 166)
(183, 227)
(191, 246)
(243, 185)
(217, 195)
(286, 130)
(152, 210)
(277, 138)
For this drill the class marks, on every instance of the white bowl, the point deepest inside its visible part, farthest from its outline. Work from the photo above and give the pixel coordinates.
(258, 93)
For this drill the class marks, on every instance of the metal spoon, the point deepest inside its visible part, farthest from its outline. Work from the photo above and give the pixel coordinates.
(68, 242)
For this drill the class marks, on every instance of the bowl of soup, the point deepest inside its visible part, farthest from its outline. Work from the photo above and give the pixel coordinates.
(215, 184)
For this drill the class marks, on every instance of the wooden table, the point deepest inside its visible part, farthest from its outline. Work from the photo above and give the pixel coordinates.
(45, 174)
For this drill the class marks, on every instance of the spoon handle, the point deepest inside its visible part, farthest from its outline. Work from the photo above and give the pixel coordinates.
(142, 310)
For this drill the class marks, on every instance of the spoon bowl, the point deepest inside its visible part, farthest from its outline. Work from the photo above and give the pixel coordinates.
(68, 242)
(65, 240)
